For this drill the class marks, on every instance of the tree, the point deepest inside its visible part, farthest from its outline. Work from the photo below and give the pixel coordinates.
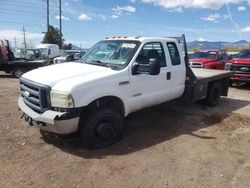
(67, 46)
(195, 49)
(52, 36)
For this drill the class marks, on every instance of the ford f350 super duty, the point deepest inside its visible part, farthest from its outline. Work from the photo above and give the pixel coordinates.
(116, 77)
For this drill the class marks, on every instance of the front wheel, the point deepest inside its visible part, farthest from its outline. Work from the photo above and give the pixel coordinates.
(101, 128)
(18, 72)
(214, 93)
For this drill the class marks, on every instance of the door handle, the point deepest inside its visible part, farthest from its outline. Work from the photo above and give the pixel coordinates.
(168, 75)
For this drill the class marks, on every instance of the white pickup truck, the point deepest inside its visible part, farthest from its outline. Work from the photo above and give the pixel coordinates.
(116, 77)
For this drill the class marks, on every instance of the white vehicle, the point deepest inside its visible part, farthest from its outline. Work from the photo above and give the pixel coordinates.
(49, 50)
(116, 77)
(68, 55)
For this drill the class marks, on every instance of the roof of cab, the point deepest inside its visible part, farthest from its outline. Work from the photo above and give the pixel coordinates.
(139, 38)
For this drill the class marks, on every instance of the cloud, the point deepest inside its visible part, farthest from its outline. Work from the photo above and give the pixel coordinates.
(118, 11)
(241, 8)
(63, 18)
(225, 16)
(114, 16)
(178, 10)
(11, 34)
(209, 4)
(212, 18)
(246, 29)
(132, 1)
(201, 40)
(236, 25)
(84, 17)
(102, 17)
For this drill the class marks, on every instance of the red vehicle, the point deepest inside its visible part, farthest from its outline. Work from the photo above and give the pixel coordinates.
(210, 59)
(240, 65)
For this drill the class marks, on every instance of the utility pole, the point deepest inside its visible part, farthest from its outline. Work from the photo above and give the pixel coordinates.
(48, 15)
(15, 41)
(24, 38)
(60, 22)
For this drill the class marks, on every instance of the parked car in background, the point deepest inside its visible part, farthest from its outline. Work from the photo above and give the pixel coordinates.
(19, 65)
(28, 54)
(240, 65)
(69, 55)
(210, 59)
(50, 51)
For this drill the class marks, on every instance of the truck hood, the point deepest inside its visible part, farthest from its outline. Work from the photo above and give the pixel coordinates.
(203, 61)
(50, 75)
(240, 61)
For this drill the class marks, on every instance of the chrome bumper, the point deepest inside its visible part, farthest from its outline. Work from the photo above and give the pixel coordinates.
(48, 118)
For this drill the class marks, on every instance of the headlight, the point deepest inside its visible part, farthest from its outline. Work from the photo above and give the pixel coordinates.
(61, 99)
(228, 66)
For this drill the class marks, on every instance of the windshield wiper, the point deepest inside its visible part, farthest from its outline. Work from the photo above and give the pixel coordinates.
(97, 62)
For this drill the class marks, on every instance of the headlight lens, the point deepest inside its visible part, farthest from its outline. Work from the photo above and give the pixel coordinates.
(228, 66)
(61, 99)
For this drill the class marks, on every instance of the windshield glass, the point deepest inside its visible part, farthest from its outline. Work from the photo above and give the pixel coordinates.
(111, 52)
(44, 51)
(205, 55)
(245, 54)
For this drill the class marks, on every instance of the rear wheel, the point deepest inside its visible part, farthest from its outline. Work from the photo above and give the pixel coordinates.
(214, 93)
(18, 72)
(101, 128)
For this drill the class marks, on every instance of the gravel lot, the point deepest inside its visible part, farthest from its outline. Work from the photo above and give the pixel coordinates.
(171, 145)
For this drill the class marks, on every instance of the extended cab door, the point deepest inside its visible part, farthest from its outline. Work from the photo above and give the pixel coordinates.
(175, 59)
(148, 90)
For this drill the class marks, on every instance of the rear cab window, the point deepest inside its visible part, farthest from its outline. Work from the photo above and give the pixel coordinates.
(174, 53)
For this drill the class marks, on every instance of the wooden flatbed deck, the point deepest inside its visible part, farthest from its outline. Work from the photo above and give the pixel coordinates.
(210, 74)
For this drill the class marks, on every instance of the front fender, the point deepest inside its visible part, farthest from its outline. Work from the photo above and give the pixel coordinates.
(91, 95)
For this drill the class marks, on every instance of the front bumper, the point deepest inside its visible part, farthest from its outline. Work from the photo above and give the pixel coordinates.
(241, 77)
(51, 121)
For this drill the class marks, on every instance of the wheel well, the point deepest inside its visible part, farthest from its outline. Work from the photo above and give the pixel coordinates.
(106, 102)
(224, 83)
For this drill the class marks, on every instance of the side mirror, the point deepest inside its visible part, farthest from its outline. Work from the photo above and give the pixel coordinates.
(154, 67)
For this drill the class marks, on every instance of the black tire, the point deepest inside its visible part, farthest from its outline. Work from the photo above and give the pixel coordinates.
(214, 93)
(101, 128)
(231, 82)
(18, 72)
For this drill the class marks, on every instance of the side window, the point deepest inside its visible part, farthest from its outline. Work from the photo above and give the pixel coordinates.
(224, 55)
(152, 50)
(174, 53)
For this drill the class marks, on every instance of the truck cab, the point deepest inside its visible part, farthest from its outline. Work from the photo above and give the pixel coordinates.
(240, 66)
(210, 59)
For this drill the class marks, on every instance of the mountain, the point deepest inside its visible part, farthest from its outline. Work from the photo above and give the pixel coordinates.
(205, 45)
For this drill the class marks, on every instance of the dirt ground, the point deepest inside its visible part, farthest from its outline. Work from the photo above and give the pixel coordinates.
(171, 145)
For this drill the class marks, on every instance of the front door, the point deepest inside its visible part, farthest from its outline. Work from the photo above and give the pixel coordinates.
(148, 90)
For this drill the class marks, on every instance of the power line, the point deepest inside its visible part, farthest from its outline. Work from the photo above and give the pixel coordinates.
(22, 10)
(18, 22)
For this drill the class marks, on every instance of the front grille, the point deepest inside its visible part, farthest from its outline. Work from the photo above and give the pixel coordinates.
(241, 69)
(35, 95)
(196, 65)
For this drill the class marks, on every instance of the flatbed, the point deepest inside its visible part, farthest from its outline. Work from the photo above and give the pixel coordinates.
(210, 74)
(20, 66)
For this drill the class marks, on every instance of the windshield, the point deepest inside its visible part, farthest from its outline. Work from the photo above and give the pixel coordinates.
(245, 54)
(205, 55)
(44, 51)
(116, 53)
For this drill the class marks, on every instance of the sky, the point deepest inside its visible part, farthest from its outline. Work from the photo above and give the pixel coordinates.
(85, 22)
